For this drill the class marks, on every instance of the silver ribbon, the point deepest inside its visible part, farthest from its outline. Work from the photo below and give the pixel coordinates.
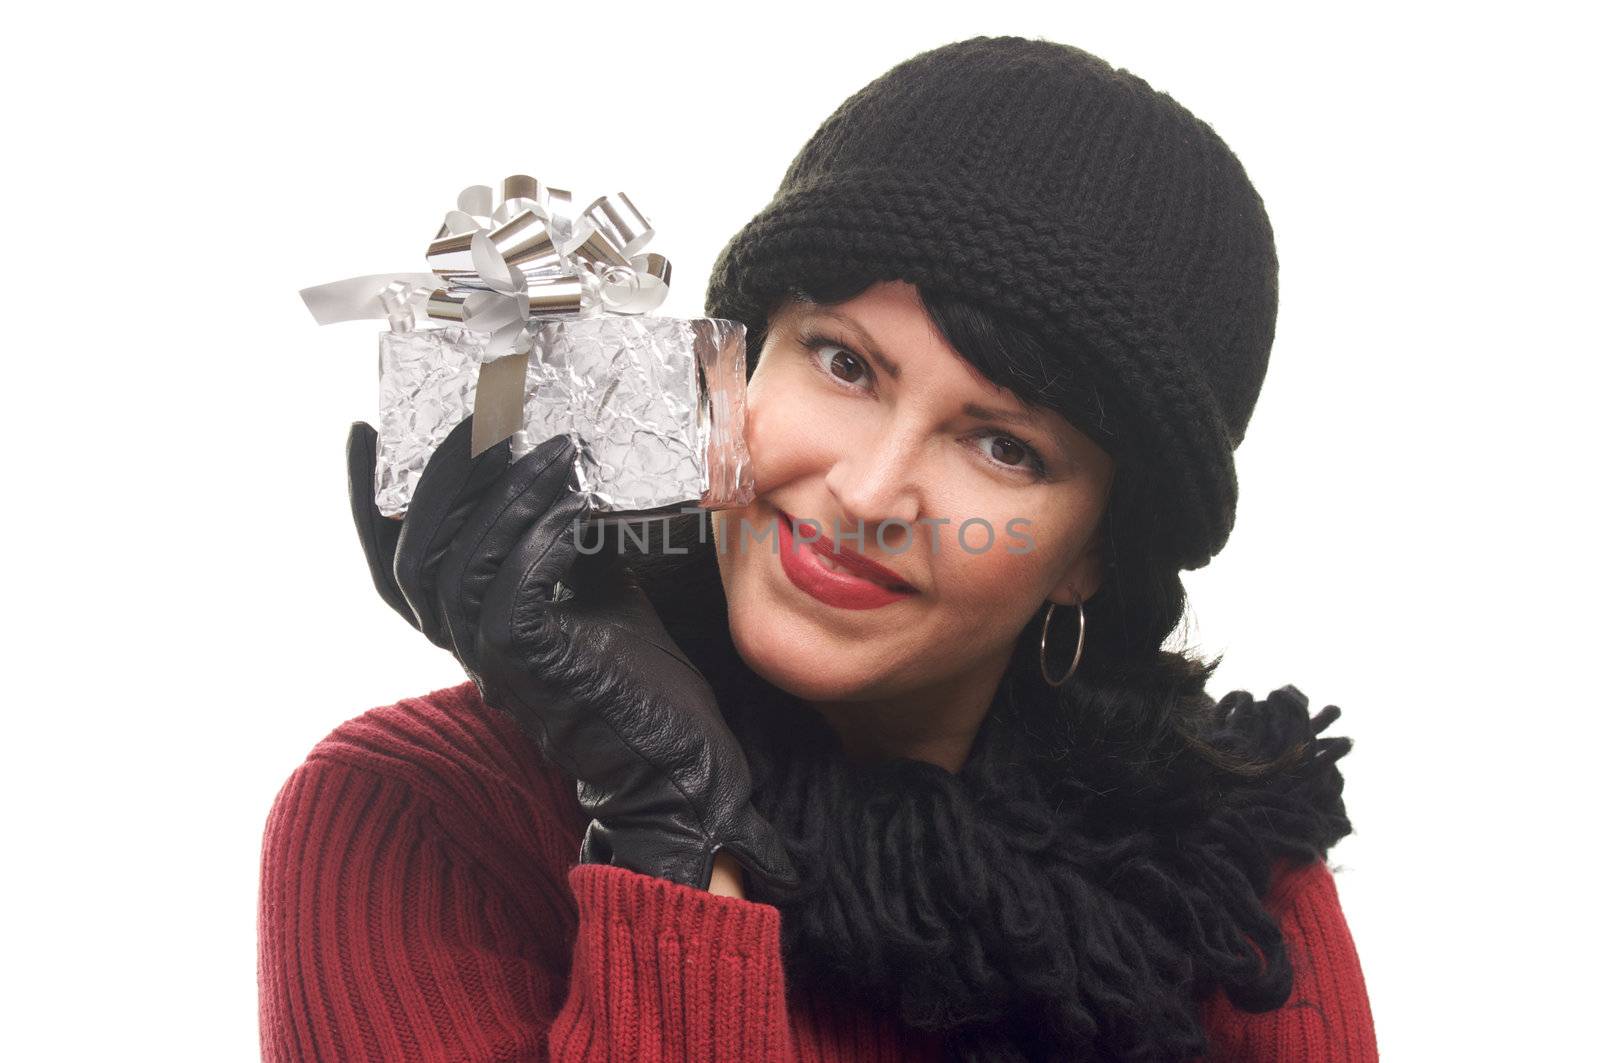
(501, 265)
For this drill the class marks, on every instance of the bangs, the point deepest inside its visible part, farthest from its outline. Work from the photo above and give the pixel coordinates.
(1000, 348)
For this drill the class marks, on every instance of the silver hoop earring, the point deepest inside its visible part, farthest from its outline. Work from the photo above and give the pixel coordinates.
(1044, 639)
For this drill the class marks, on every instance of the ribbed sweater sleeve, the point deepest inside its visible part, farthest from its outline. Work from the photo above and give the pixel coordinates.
(383, 937)
(1328, 1018)
(664, 971)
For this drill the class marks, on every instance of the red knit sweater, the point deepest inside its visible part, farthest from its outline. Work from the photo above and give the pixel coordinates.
(421, 900)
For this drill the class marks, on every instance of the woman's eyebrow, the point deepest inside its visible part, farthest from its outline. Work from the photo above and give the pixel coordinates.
(971, 409)
(984, 413)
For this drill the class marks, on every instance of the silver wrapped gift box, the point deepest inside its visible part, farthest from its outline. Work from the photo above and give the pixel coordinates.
(546, 330)
(656, 405)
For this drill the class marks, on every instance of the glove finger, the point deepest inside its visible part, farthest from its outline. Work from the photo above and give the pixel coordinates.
(445, 494)
(377, 533)
(521, 498)
(761, 851)
(524, 586)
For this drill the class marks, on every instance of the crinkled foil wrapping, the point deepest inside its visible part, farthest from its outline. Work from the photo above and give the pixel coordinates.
(654, 403)
(657, 405)
(427, 381)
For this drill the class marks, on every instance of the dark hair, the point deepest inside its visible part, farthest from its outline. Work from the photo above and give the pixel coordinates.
(1125, 811)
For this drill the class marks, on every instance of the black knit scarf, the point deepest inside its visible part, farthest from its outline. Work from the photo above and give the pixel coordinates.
(1054, 900)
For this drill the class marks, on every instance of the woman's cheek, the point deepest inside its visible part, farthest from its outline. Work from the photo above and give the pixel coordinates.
(757, 435)
(1004, 546)
(785, 442)
(985, 598)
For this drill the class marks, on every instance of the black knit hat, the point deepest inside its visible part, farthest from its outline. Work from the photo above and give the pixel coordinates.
(1072, 199)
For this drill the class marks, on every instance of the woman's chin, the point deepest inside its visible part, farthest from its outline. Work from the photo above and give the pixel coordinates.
(814, 673)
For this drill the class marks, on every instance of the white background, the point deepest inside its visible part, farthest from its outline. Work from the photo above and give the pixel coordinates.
(190, 607)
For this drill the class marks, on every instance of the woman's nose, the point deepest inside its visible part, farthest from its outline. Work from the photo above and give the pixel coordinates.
(874, 479)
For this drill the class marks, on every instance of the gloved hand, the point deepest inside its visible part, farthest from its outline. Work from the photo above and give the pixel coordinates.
(415, 546)
(568, 644)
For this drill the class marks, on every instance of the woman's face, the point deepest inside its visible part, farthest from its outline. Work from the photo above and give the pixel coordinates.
(863, 421)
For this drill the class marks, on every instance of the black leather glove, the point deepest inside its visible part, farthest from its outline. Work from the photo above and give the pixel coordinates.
(569, 645)
(415, 546)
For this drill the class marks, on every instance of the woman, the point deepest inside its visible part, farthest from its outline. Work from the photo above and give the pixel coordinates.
(891, 765)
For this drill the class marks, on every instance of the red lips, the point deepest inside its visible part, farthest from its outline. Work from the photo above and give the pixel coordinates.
(857, 584)
(848, 559)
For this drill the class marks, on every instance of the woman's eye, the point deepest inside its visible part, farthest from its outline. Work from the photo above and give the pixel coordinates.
(1008, 451)
(1013, 453)
(847, 367)
(836, 360)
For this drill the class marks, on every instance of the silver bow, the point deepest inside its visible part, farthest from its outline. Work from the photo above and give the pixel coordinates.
(508, 264)
(506, 267)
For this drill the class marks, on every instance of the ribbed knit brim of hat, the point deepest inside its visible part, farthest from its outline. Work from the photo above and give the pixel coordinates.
(1130, 288)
